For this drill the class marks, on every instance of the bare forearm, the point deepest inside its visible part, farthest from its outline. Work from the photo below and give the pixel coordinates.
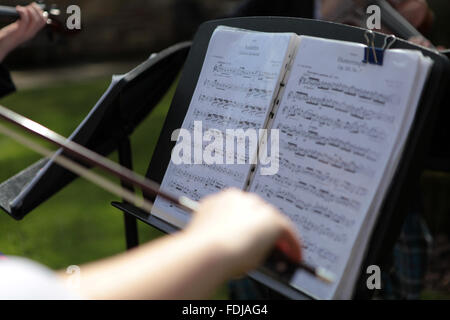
(32, 19)
(7, 43)
(230, 234)
(176, 267)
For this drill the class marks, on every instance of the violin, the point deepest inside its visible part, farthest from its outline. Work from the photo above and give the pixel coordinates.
(55, 19)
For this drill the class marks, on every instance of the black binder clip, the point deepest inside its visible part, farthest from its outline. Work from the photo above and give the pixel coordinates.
(373, 55)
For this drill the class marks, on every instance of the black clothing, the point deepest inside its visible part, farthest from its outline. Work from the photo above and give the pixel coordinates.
(6, 84)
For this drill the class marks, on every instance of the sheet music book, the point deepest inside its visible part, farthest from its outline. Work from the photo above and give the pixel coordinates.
(341, 126)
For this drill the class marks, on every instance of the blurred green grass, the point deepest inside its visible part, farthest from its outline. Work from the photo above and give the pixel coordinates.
(78, 224)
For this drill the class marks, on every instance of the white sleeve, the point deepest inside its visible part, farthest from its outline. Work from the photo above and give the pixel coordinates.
(22, 279)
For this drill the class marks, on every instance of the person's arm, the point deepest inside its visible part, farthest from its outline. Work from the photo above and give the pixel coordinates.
(230, 234)
(31, 21)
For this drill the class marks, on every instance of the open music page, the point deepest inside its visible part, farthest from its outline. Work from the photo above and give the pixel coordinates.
(354, 268)
(236, 89)
(342, 126)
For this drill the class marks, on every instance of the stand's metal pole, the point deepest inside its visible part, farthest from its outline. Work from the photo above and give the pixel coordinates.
(125, 159)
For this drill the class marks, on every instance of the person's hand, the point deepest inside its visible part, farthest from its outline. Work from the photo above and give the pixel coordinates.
(245, 228)
(31, 21)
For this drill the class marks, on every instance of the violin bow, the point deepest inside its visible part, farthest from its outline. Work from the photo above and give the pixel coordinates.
(148, 187)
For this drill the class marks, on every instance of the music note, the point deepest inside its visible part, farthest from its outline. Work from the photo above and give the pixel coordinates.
(330, 141)
(229, 71)
(360, 113)
(250, 91)
(354, 127)
(349, 90)
(313, 208)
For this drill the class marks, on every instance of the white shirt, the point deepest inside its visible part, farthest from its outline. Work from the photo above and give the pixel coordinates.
(22, 279)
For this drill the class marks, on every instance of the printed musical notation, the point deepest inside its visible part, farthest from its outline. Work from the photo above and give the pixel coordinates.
(327, 159)
(249, 91)
(355, 127)
(229, 71)
(180, 188)
(233, 105)
(364, 94)
(207, 182)
(316, 209)
(321, 193)
(222, 154)
(220, 120)
(346, 146)
(196, 185)
(323, 177)
(359, 113)
(312, 249)
(320, 229)
(225, 171)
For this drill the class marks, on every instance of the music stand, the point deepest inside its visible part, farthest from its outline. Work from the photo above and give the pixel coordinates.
(394, 207)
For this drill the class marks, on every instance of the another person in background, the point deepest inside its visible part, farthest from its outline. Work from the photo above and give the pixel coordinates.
(31, 21)
(353, 12)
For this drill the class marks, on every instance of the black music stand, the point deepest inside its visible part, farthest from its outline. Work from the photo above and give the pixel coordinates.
(129, 99)
(394, 206)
